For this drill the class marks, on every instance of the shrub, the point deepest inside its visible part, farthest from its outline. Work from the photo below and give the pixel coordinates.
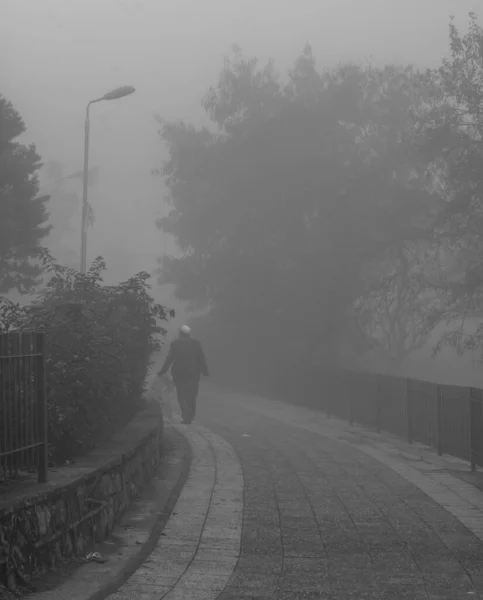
(98, 342)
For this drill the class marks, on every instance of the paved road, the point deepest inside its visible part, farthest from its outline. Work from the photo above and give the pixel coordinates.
(280, 506)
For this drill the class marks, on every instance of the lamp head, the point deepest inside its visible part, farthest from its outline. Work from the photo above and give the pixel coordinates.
(119, 92)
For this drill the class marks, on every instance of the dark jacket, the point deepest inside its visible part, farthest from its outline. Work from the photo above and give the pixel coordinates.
(186, 360)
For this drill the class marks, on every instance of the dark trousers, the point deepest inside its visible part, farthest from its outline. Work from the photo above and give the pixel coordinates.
(187, 392)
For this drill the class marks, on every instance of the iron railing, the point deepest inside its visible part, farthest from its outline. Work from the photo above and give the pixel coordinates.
(23, 406)
(446, 417)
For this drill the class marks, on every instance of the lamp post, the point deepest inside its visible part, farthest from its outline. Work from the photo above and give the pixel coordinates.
(112, 95)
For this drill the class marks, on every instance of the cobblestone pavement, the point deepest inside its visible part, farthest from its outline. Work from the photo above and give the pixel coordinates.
(198, 549)
(326, 515)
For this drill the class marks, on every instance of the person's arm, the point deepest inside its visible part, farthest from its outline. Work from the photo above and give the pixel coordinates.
(203, 365)
(168, 362)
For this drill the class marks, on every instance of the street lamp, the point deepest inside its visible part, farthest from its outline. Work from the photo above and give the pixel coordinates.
(120, 92)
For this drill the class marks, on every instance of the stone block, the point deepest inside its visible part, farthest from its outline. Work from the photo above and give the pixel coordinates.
(49, 528)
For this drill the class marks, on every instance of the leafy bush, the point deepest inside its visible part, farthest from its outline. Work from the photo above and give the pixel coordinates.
(99, 340)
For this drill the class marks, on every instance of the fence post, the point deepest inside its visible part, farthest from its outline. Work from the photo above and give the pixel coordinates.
(476, 425)
(439, 418)
(42, 408)
(378, 403)
(328, 398)
(409, 412)
(3, 404)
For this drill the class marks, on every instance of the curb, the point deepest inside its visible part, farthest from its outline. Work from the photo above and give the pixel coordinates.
(91, 581)
(167, 508)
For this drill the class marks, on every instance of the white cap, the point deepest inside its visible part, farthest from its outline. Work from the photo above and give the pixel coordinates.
(185, 329)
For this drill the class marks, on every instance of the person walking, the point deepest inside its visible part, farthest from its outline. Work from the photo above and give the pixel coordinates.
(187, 362)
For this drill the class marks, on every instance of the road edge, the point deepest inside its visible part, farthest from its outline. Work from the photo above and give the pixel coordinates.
(166, 509)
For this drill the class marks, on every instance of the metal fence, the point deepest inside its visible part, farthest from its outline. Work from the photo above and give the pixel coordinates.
(446, 417)
(23, 406)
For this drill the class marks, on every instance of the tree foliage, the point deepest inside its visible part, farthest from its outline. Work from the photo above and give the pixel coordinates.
(304, 184)
(451, 135)
(99, 342)
(393, 313)
(344, 202)
(23, 213)
(64, 213)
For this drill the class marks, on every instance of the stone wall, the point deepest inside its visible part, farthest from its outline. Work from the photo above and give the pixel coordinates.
(80, 504)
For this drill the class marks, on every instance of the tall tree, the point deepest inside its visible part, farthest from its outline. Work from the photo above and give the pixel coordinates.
(64, 213)
(23, 213)
(279, 211)
(63, 203)
(452, 135)
(391, 316)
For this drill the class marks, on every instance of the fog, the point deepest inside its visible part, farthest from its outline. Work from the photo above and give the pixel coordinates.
(56, 55)
(324, 252)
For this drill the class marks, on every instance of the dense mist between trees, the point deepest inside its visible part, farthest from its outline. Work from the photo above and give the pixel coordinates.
(306, 219)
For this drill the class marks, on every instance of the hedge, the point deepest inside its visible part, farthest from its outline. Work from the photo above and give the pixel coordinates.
(99, 340)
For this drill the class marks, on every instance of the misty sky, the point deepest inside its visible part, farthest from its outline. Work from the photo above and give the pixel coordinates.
(55, 55)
